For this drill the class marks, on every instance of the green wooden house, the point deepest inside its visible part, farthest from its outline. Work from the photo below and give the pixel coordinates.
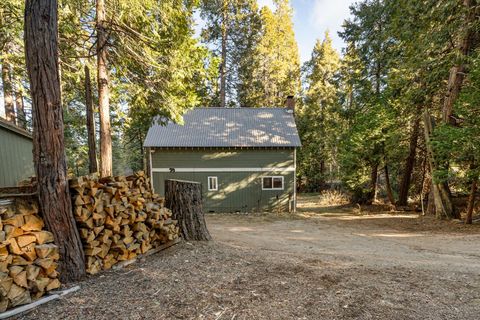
(16, 158)
(243, 157)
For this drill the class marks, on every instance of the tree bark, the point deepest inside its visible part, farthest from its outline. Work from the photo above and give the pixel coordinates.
(388, 185)
(147, 155)
(431, 202)
(103, 93)
(442, 201)
(41, 48)
(409, 165)
(184, 198)
(468, 43)
(8, 92)
(223, 66)
(321, 181)
(20, 106)
(373, 184)
(322, 147)
(471, 198)
(92, 148)
(143, 152)
(471, 201)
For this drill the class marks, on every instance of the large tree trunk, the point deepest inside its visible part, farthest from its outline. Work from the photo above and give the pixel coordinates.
(184, 198)
(409, 165)
(41, 50)
(92, 148)
(8, 92)
(223, 66)
(440, 195)
(468, 43)
(103, 94)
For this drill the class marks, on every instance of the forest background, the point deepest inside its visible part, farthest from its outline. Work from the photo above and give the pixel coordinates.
(394, 116)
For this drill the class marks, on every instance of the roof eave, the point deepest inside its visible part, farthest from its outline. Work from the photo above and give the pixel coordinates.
(15, 129)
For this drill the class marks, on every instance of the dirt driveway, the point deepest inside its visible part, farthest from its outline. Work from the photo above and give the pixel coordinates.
(351, 240)
(324, 263)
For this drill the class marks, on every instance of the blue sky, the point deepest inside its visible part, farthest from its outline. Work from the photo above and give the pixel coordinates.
(312, 18)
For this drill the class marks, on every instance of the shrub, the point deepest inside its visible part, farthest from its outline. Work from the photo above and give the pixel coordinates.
(333, 197)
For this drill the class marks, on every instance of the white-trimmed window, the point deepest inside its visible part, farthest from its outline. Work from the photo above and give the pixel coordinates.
(212, 183)
(272, 183)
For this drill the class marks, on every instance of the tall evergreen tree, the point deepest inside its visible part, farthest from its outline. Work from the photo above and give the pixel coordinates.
(275, 62)
(372, 45)
(41, 38)
(318, 119)
(156, 68)
(11, 57)
(232, 28)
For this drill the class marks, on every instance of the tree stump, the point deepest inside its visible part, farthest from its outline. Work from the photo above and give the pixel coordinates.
(184, 198)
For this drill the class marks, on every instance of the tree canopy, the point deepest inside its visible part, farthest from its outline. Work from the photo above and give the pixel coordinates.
(361, 113)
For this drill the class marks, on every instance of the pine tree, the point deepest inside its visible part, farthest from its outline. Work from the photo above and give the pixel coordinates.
(155, 68)
(318, 119)
(362, 157)
(275, 62)
(11, 56)
(232, 28)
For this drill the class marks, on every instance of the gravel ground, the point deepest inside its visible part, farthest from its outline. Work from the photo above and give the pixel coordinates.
(319, 264)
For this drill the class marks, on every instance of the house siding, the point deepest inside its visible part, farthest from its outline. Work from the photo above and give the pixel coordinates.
(16, 158)
(238, 191)
(221, 158)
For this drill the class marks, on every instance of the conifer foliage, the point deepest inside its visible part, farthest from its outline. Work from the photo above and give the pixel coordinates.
(390, 118)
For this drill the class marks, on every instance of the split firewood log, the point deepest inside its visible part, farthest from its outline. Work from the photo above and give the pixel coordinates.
(32, 272)
(47, 251)
(5, 284)
(32, 223)
(39, 284)
(43, 236)
(18, 295)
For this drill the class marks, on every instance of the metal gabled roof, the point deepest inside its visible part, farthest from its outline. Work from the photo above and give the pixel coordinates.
(228, 127)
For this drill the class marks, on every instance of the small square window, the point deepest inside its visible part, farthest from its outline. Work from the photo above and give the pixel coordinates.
(272, 183)
(267, 183)
(212, 183)
(277, 183)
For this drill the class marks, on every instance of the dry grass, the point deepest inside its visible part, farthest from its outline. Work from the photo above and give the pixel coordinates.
(333, 198)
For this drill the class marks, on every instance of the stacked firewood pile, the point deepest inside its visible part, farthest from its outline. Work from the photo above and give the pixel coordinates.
(28, 257)
(119, 218)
